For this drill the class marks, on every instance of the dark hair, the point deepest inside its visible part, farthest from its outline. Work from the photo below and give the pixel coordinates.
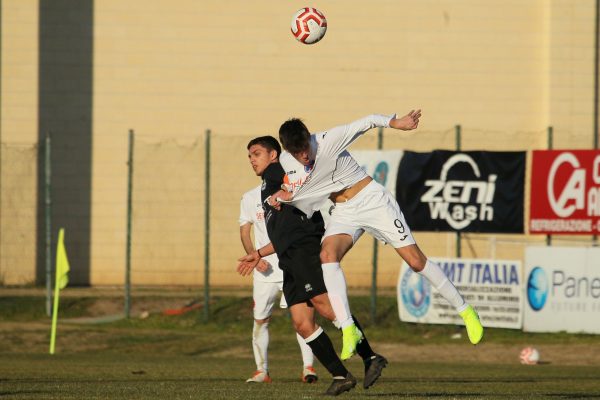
(268, 142)
(294, 135)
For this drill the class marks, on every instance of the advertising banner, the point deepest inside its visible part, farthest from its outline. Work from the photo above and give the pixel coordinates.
(562, 289)
(381, 165)
(472, 191)
(565, 192)
(493, 287)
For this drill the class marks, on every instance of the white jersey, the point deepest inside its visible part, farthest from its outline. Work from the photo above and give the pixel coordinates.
(251, 212)
(295, 176)
(334, 168)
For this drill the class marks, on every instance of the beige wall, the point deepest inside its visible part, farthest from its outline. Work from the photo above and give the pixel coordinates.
(504, 70)
(18, 134)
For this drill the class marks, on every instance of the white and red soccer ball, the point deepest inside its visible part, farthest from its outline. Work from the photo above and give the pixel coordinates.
(529, 356)
(309, 25)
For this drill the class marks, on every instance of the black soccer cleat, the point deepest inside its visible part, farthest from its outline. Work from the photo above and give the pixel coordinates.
(373, 369)
(341, 385)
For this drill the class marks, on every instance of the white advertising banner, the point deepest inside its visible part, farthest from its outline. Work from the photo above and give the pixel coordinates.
(562, 289)
(493, 287)
(381, 165)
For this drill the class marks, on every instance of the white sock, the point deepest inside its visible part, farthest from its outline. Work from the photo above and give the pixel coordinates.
(307, 354)
(314, 335)
(435, 275)
(335, 282)
(260, 343)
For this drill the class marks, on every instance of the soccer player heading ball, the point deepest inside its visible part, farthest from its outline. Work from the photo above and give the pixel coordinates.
(361, 204)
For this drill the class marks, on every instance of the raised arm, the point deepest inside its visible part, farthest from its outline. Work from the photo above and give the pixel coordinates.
(408, 122)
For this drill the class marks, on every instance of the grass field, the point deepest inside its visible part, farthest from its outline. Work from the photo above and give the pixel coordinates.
(183, 358)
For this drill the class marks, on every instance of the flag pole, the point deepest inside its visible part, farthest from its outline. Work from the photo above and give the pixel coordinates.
(61, 279)
(55, 310)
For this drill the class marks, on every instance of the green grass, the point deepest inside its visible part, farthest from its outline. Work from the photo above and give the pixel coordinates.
(151, 376)
(181, 357)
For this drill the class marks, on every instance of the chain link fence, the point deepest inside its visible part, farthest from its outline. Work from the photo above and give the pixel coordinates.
(176, 240)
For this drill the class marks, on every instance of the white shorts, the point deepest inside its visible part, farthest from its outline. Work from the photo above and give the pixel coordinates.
(375, 211)
(264, 295)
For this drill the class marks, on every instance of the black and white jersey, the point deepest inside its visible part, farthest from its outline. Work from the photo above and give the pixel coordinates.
(288, 224)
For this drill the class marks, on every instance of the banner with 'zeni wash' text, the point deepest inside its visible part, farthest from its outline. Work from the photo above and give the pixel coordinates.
(471, 191)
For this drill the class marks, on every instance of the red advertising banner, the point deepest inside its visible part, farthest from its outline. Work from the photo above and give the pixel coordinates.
(565, 192)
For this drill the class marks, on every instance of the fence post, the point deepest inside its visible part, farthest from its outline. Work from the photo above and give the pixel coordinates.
(375, 250)
(458, 235)
(207, 226)
(129, 217)
(48, 221)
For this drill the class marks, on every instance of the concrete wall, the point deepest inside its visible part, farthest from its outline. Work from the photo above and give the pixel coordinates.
(503, 69)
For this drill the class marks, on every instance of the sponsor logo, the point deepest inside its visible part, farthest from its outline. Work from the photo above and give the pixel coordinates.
(308, 287)
(566, 200)
(309, 167)
(452, 200)
(381, 173)
(537, 288)
(416, 293)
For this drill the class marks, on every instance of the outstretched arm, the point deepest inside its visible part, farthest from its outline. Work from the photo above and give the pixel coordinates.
(249, 262)
(407, 123)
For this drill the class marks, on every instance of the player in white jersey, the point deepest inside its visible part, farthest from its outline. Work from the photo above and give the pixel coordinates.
(361, 204)
(267, 285)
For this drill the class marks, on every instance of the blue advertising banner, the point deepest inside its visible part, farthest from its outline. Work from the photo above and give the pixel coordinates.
(493, 287)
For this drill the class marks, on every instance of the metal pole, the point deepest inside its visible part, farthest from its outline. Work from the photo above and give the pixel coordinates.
(596, 88)
(596, 73)
(129, 217)
(48, 222)
(550, 145)
(458, 235)
(375, 250)
(207, 227)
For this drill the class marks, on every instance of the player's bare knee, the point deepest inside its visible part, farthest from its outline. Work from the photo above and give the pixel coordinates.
(305, 328)
(323, 306)
(414, 257)
(327, 256)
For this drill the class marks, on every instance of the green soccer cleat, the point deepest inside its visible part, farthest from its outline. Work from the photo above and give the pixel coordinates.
(351, 336)
(473, 325)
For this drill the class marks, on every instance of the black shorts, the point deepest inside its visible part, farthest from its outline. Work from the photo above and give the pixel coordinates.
(302, 272)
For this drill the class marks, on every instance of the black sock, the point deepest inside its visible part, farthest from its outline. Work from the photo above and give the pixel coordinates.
(323, 349)
(363, 348)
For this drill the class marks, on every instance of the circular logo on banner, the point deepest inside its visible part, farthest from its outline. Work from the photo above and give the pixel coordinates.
(416, 293)
(537, 288)
(381, 173)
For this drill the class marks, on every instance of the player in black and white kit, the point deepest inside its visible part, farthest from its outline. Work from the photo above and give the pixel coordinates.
(267, 285)
(361, 204)
(296, 240)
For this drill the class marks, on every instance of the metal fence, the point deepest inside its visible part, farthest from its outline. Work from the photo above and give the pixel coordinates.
(178, 212)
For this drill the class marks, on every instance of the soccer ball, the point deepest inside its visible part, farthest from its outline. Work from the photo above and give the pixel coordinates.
(529, 356)
(309, 25)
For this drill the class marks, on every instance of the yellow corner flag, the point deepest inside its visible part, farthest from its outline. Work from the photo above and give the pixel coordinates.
(62, 279)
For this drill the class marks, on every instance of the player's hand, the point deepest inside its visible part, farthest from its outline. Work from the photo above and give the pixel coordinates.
(283, 195)
(263, 265)
(409, 122)
(247, 263)
(272, 200)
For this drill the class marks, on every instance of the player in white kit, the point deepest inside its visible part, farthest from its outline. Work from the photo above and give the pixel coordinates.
(267, 285)
(361, 204)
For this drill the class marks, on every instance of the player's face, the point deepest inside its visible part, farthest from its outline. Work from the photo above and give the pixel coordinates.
(303, 157)
(260, 158)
